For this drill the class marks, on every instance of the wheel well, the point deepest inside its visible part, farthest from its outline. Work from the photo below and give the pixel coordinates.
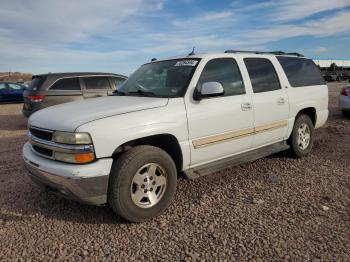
(166, 142)
(311, 112)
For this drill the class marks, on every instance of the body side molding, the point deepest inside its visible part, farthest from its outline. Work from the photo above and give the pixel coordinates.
(206, 141)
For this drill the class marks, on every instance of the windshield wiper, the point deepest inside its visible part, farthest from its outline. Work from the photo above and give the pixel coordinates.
(141, 92)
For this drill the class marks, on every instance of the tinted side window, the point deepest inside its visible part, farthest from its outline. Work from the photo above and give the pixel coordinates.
(96, 82)
(15, 87)
(66, 84)
(262, 75)
(301, 71)
(225, 71)
(116, 82)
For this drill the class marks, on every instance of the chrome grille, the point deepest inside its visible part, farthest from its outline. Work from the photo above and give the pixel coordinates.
(41, 133)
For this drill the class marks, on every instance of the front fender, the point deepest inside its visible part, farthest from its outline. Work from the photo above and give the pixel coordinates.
(111, 132)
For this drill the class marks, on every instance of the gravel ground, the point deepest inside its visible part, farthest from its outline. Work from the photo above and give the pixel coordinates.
(275, 208)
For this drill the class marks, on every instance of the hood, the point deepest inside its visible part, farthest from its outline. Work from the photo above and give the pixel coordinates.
(69, 116)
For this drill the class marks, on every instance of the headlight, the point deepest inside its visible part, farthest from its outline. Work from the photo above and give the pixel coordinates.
(71, 138)
(79, 158)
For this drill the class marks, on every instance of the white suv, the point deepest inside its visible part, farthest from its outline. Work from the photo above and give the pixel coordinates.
(195, 114)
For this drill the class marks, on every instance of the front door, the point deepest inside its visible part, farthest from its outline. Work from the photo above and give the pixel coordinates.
(220, 126)
(271, 108)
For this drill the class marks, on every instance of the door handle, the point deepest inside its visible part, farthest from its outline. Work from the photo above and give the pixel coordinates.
(280, 101)
(246, 106)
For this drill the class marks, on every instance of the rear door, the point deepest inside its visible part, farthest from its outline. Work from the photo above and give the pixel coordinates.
(95, 86)
(63, 90)
(270, 102)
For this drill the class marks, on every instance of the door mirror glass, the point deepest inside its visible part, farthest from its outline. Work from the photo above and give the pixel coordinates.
(210, 89)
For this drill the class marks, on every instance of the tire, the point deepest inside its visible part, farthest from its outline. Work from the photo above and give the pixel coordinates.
(127, 183)
(298, 145)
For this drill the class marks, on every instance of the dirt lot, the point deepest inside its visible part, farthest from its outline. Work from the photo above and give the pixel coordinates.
(275, 208)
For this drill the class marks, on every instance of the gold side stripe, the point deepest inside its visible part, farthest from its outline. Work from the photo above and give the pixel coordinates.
(271, 126)
(202, 142)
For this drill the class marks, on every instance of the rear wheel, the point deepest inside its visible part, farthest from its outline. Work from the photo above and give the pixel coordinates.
(302, 137)
(142, 183)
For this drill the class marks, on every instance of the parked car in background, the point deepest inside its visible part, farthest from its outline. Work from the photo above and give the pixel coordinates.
(56, 88)
(194, 114)
(11, 92)
(344, 100)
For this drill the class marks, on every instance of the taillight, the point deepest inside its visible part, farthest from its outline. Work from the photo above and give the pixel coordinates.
(36, 98)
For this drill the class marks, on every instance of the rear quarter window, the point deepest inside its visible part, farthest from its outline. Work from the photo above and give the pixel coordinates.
(68, 84)
(301, 71)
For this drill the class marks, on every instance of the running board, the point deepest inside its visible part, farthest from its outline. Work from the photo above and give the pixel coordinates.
(236, 160)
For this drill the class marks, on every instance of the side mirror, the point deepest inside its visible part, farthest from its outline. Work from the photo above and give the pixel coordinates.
(209, 89)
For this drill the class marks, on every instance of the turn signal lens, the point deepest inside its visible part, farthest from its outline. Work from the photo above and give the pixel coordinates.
(82, 158)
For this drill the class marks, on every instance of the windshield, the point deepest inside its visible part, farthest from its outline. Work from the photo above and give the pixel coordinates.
(168, 78)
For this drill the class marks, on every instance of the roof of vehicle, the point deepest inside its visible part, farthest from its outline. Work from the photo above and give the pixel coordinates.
(228, 53)
(48, 79)
(72, 74)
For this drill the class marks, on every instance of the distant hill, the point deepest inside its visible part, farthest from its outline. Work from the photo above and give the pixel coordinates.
(15, 76)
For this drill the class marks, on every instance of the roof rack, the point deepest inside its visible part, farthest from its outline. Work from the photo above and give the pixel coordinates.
(262, 52)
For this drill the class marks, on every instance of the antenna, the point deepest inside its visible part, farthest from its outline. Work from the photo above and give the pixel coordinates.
(192, 53)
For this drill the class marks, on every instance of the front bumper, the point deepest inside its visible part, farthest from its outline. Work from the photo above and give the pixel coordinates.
(83, 183)
(344, 102)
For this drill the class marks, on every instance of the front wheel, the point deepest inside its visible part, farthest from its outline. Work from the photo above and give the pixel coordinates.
(142, 183)
(302, 137)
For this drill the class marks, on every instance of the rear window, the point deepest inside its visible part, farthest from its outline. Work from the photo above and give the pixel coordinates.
(70, 84)
(301, 71)
(97, 82)
(36, 83)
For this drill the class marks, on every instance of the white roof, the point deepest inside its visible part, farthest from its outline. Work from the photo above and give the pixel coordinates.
(320, 62)
(220, 55)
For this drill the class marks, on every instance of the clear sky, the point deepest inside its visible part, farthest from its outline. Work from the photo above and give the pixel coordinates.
(119, 35)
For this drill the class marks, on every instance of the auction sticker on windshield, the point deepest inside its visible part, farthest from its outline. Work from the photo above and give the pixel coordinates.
(186, 63)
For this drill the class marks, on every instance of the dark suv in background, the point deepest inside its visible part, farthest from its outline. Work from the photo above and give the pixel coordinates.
(56, 88)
